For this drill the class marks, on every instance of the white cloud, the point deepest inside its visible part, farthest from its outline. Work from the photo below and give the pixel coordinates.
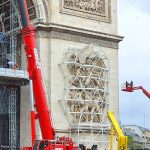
(134, 50)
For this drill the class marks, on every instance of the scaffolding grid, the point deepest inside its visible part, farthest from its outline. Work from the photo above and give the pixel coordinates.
(10, 38)
(10, 46)
(85, 99)
(9, 111)
(12, 77)
(12, 119)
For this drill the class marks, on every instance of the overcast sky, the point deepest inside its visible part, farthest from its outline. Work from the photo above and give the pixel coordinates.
(134, 60)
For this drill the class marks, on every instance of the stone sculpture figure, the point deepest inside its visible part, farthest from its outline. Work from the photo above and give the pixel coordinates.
(68, 3)
(100, 8)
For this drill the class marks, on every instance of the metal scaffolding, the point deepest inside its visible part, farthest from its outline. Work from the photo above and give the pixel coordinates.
(11, 75)
(10, 46)
(12, 119)
(10, 39)
(9, 111)
(85, 100)
(10, 51)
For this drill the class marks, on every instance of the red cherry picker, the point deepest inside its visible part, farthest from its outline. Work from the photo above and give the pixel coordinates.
(129, 87)
(49, 141)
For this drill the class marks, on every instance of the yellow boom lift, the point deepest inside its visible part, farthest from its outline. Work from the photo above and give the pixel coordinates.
(115, 128)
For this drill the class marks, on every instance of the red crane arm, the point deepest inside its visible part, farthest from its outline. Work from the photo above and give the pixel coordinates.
(145, 91)
(130, 88)
(28, 35)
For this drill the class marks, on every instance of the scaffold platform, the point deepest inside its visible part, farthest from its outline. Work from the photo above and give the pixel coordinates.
(13, 77)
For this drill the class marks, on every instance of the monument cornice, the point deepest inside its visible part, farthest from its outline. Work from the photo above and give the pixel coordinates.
(78, 34)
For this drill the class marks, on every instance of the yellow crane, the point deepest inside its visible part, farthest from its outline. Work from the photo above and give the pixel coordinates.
(115, 128)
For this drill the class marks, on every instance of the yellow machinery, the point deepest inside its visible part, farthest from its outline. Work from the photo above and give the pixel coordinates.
(115, 129)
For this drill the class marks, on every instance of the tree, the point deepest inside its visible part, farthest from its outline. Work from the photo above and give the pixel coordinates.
(130, 142)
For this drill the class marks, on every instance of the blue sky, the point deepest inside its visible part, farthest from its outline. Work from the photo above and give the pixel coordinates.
(134, 59)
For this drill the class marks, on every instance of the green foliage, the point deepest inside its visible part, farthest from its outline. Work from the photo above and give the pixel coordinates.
(130, 142)
(133, 145)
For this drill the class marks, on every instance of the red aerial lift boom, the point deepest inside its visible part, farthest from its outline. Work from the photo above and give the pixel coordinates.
(129, 87)
(48, 142)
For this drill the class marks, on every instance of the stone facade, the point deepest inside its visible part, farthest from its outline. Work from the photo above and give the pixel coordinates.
(62, 24)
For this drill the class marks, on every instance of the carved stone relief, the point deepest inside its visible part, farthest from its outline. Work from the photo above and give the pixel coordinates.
(95, 6)
(42, 12)
(86, 73)
(98, 8)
